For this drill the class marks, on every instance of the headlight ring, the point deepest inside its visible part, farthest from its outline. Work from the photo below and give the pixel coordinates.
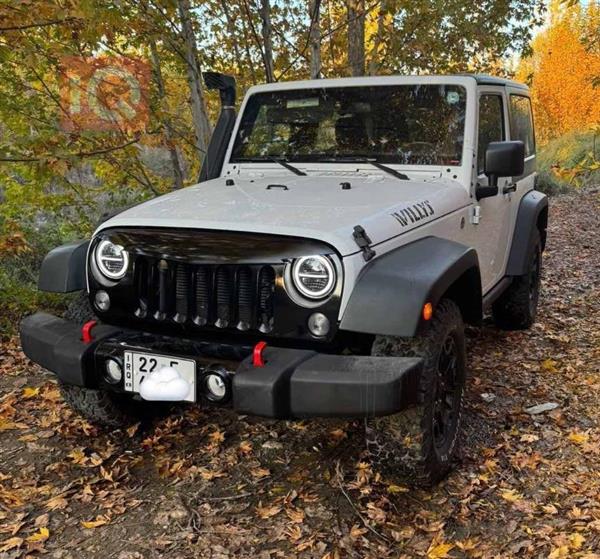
(314, 276)
(111, 259)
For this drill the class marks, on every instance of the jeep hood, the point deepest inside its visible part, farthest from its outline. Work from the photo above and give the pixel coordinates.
(313, 206)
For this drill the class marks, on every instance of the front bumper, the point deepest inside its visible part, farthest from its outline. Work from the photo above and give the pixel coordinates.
(293, 383)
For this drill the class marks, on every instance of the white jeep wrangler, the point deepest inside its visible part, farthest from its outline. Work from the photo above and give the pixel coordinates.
(342, 233)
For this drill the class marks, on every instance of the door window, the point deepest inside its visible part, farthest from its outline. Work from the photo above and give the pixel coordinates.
(491, 125)
(521, 122)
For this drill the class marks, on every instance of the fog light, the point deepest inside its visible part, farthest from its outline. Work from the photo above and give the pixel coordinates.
(114, 371)
(102, 301)
(217, 385)
(318, 324)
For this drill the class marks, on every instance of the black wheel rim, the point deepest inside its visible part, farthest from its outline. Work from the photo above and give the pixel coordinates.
(534, 282)
(446, 394)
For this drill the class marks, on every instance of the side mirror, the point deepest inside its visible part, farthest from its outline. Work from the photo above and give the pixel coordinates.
(502, 159)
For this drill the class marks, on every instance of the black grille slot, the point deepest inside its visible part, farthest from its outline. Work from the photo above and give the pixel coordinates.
(229, 296)
(244, 302)
(224, 298)
(203, 289)
(266, 291)
(182, 284)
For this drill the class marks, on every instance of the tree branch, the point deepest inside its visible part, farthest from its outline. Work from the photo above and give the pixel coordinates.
(35, 25)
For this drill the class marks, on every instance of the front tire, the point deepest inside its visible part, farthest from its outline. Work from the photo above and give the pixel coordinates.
(516, 308)
(109, 409)
(421, 443)
(100, 407)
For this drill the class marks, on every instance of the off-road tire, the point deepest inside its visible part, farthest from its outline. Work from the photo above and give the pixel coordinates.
(104, 408)
(516, 308)
(79, 309)
(409, 445)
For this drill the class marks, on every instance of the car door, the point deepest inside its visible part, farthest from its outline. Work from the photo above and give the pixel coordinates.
(521, 128)
(495, 214)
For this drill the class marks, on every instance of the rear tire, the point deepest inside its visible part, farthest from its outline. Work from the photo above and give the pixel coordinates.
(421, 443)
(516, 308)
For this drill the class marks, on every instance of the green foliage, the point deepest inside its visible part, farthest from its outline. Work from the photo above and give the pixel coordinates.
(21, 260)
(571, 161)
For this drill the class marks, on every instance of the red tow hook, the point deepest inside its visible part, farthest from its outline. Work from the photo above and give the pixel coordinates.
(86, 331)
(257, 355)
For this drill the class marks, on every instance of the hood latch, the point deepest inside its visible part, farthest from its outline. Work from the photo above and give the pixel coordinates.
(363, 241)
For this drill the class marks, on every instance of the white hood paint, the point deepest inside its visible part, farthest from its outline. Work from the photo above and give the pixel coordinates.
(314, 206)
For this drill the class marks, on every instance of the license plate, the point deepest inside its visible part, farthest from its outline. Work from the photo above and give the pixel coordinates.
(139, 365)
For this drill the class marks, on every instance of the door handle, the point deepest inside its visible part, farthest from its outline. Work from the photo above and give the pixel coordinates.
(510, 188)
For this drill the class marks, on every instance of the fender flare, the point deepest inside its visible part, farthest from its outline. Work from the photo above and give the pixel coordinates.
(63, 268)
(391, 290)
(532, 215)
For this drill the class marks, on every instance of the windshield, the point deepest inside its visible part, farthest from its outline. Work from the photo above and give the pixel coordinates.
(416, 124)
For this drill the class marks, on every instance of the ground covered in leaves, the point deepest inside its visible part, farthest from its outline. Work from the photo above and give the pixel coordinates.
(217, 486)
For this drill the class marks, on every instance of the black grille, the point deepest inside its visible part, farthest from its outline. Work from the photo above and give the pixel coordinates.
(228, 296)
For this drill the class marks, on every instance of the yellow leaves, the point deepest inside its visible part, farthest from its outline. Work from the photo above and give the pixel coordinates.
(576, 541)
(549, 365)
(397, 489)
(78, 456)
(30, 392)
(550, 509)
(99, 521)
(511, 496)
(563, 70)
(439, 550)
(6, 425)
(40, 536)
(579, 438)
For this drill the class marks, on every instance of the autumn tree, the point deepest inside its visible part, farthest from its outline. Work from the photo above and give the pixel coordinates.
(563, 71)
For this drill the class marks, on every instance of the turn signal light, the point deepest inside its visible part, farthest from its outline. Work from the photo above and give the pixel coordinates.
(427, 311)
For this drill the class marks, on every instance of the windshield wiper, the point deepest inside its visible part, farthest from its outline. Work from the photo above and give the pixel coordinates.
(373, 162)
(284, 163)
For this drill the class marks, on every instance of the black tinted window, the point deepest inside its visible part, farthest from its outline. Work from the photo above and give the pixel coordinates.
(491, 125)
(521, 122)
(421, 124)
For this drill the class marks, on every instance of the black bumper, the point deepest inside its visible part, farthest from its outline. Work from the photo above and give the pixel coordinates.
(293, 383)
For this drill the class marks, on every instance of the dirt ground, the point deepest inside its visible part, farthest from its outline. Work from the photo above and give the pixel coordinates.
(214, 485)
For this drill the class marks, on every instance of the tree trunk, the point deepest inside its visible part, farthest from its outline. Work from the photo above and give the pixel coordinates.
(200, 117)
(160, 85)
(356, 37)
(265, 14)
(315, 39)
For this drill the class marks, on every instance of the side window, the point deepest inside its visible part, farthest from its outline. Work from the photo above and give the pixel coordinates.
(521, 122)
(491, 125)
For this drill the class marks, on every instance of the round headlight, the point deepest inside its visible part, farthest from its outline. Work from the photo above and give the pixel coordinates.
(314, 276)
(112, 260)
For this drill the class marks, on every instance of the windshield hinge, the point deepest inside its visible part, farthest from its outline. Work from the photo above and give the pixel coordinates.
(363, 241)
